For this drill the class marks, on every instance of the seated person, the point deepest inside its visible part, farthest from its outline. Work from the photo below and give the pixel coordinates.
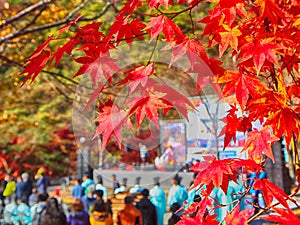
(136, 188)
(122, 188)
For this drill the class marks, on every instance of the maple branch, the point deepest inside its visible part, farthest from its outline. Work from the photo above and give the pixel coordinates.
(153, 50)
(192, 21)
(272, 206)
(25, 12)
(182, 11)
(175, 13)
(295, 151)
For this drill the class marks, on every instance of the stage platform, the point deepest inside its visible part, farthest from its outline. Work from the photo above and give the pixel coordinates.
(147, 176)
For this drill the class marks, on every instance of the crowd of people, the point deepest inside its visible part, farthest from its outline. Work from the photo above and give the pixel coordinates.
(26, 202)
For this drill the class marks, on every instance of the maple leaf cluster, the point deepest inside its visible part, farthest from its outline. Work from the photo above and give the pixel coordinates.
(263, 39)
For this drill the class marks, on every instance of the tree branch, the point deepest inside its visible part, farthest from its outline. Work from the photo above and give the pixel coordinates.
(25, 12)
(67, 19)
(34, 19)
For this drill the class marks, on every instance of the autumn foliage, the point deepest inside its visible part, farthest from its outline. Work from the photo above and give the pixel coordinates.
(263, 39)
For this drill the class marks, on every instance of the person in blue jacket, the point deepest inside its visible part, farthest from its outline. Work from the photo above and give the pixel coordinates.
(42, 183)
(77, 190)
(159, 200)
(86, 182)
(177, 192)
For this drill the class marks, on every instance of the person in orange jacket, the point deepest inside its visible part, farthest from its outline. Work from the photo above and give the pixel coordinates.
(129, 215)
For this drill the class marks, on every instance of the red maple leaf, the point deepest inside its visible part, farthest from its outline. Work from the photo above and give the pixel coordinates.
(233, 124)
(162, 24)
(229, 37)
(129, 7)
(279, 114)
(282, 217)
(189, 47)
(281, 120)
(229, 4)
(66, 48)
(123, 29)
(110, 122)
(36, 62)
(94, 95)
(90, 34)
(237, 217)
(201, 217)
(243, 85)
(100, 69)
(209, 220)
(270, 192)
(69, 24)
(212, 22)
(259, 142)
(215, 173)
(156, 3)
(35, 65)
(147, 105)
(269, 9)
(259, 51)
(138, 77)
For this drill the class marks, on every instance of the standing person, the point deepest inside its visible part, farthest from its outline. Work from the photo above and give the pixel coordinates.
(147, 209)
(33, 198)
(88, 200)
(115, 182)
(42, 183)
(174, 217)
(100, 215)
(27, 186)
(19, 188)
(136, 188)
(2, 188)
(54, 214)
(99, 198)
(77, 190)
(177, 193)
(143, 153)
(129, 215)
(159, 200)
(78, 216)
(38, 210)
(101, 187)
(183, 194)
(86, 182)
(10, 188)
